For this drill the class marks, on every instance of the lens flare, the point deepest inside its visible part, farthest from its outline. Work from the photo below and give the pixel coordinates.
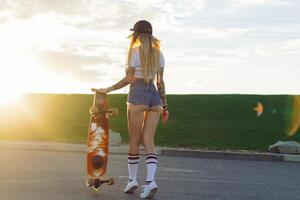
(259, 109)
(295, 120)
(9, 98)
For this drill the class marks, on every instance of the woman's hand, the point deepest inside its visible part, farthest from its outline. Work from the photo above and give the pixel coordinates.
(101, 90)
(165, 116)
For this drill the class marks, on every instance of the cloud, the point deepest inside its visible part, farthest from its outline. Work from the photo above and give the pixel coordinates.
(263, 2)
(197, 32)
(86, 39)
(4, 16)
(287, 48)
(82, 68)
(95, 14)
(82, 12)
(182, 8)
(27, 9)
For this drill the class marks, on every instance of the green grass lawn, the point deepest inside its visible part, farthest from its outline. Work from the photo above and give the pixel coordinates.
(196, 121)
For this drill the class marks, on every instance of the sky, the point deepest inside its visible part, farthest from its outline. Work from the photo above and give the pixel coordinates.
(210, 46)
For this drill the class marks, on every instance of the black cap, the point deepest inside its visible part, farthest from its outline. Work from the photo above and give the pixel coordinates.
(142, 26)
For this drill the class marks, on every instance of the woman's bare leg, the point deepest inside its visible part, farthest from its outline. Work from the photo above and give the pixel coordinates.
(135, 114)
(149, 129)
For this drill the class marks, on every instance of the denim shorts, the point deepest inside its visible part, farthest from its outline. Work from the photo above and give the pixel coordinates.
(142, 93)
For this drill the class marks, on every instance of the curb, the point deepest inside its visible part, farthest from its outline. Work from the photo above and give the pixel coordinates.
(164, 151)
(292, 158)
(224, 155)
(63, 147)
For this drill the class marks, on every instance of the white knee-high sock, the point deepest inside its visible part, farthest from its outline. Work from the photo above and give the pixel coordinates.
(151, 162)
(133, 163)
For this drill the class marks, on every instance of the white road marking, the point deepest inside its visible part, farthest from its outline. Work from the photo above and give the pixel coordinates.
(174, 170)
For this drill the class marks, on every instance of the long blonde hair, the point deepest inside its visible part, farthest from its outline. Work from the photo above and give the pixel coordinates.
(149, 51)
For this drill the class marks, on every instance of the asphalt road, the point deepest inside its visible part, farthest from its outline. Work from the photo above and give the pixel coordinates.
(42, 175)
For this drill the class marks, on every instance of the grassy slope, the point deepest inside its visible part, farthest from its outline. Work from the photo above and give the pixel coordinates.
(206, 121)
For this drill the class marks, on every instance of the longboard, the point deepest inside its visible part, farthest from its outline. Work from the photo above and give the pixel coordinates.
(97, 142)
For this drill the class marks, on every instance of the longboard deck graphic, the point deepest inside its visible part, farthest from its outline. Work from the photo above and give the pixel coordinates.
(97, 142)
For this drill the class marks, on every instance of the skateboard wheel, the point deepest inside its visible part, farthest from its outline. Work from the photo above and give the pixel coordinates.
(89, 182)
(112, 112)
(115, 111)
(111, 181)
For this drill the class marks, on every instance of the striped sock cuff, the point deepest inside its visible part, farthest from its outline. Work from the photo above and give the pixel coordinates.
(151, 158)
(133, 158)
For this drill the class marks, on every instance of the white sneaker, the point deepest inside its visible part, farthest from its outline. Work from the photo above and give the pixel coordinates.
(149, 190)
(131, 186)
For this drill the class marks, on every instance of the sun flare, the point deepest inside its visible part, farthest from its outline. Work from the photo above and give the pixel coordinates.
(10, 98)
(16, 74)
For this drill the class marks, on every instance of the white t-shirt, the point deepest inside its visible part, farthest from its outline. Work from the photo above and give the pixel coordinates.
(136, 62)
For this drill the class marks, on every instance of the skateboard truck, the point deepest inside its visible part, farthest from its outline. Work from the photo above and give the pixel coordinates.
(95, 184)
(111, 112)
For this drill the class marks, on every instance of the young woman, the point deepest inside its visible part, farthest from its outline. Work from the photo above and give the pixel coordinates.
(145, 102)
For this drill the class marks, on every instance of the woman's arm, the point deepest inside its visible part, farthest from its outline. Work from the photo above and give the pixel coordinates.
(162, 92)
(161, 87)
(122, 83)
